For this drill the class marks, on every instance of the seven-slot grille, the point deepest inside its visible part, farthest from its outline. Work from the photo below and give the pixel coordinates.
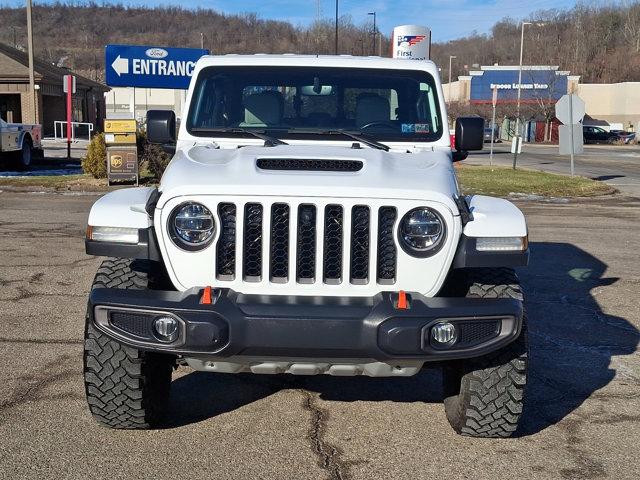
(305, 243)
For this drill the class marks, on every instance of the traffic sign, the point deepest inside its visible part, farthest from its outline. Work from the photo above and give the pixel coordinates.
(570, 109)
(65, 83)
(151, 67)
(568, 145)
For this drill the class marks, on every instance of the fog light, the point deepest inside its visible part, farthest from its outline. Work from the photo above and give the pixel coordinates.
(165, 329)
(443, 333)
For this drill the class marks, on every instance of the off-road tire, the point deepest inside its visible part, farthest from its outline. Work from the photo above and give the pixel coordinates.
(126, 388)
(484, 396)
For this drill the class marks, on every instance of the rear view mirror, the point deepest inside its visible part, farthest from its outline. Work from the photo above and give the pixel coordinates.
(161, 129)
(469, 133)
(316, 90)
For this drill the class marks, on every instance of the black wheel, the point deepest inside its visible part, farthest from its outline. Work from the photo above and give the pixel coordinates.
(484, 396)
(25, 155)
(125, 387)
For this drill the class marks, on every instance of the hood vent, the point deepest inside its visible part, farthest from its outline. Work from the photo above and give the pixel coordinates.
(310, 164)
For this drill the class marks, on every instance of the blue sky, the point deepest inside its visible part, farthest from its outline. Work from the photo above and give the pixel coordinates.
(448, 19)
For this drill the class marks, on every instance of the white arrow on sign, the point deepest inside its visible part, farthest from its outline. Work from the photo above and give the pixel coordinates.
(120, 65)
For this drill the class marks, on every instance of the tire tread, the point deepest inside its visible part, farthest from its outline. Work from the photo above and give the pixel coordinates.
(484, 396)
(126, 388)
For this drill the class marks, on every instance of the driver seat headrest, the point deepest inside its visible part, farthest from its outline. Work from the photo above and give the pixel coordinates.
(372, 108)
(263, 109)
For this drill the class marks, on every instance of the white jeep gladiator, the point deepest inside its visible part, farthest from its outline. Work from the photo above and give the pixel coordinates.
(310, 222)
(18, 141)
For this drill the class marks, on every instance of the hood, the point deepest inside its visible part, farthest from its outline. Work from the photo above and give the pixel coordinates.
(311, 171)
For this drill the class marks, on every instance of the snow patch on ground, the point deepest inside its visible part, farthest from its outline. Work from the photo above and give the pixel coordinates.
(69, 170)
(537, 198)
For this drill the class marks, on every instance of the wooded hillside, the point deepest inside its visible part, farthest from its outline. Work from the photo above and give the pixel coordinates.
(600, 43)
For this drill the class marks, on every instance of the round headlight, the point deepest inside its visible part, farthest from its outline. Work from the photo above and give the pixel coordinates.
(192, 226)
(422, 232)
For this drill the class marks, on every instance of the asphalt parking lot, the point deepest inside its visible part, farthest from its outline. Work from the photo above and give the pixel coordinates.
(581, 420)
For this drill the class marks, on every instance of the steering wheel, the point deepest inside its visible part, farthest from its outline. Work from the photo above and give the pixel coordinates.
(379, 124)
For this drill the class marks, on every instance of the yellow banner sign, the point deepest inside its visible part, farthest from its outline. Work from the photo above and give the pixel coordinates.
(120, 126)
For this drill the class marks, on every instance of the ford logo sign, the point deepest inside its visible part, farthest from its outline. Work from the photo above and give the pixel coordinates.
(156, 53)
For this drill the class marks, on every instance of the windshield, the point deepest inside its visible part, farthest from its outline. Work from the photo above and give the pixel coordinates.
(304, 102)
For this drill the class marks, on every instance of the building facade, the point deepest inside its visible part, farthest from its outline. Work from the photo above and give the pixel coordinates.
(137, 101)
(606, 104)
(47, 104)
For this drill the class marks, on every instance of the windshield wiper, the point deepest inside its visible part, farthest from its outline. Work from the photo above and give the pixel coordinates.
(269, 141)
(360, 137)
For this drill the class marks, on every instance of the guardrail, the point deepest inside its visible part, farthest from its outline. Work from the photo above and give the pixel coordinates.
(79, 130)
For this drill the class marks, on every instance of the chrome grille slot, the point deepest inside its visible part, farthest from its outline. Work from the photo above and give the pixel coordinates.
(226, 248)
(360, 227)
(333, 231)
(306, 244)
(252, 245)
(387, 254)
(279, 247)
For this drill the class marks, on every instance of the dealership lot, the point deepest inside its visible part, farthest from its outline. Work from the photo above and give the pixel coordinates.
(581, 422)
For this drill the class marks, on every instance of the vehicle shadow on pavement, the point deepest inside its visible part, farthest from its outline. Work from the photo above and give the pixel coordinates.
(572, 342)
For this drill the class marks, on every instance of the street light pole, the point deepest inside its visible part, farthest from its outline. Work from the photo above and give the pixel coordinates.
(337, 27)
(375, 31)
(451, 57)
(518, 136)
(32, 80)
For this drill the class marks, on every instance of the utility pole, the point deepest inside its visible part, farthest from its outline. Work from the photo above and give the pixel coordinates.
(337, 27)
(375, 31)
(518, 137)
(451, 57)
(32, 80)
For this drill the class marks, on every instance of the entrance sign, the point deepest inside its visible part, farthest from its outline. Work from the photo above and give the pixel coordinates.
(150, 67)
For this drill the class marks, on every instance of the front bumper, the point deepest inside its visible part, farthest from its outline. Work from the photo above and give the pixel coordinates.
(276, 327)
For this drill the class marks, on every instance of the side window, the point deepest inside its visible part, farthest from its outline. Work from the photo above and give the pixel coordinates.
(427, 110)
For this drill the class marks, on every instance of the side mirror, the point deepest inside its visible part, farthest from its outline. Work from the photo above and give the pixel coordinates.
(161, 129)
(469, 133)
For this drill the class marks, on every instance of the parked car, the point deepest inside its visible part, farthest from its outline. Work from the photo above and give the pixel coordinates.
(598, 135)
(487, 134)
(625, 137)
(304, 227)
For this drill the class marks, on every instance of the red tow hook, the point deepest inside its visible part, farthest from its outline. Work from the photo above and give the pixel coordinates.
(403, 303)
(206, 298)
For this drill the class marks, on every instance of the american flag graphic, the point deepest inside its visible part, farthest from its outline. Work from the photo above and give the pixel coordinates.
(410, 39)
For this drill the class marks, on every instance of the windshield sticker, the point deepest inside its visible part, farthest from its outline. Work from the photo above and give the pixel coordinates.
(415, 128)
